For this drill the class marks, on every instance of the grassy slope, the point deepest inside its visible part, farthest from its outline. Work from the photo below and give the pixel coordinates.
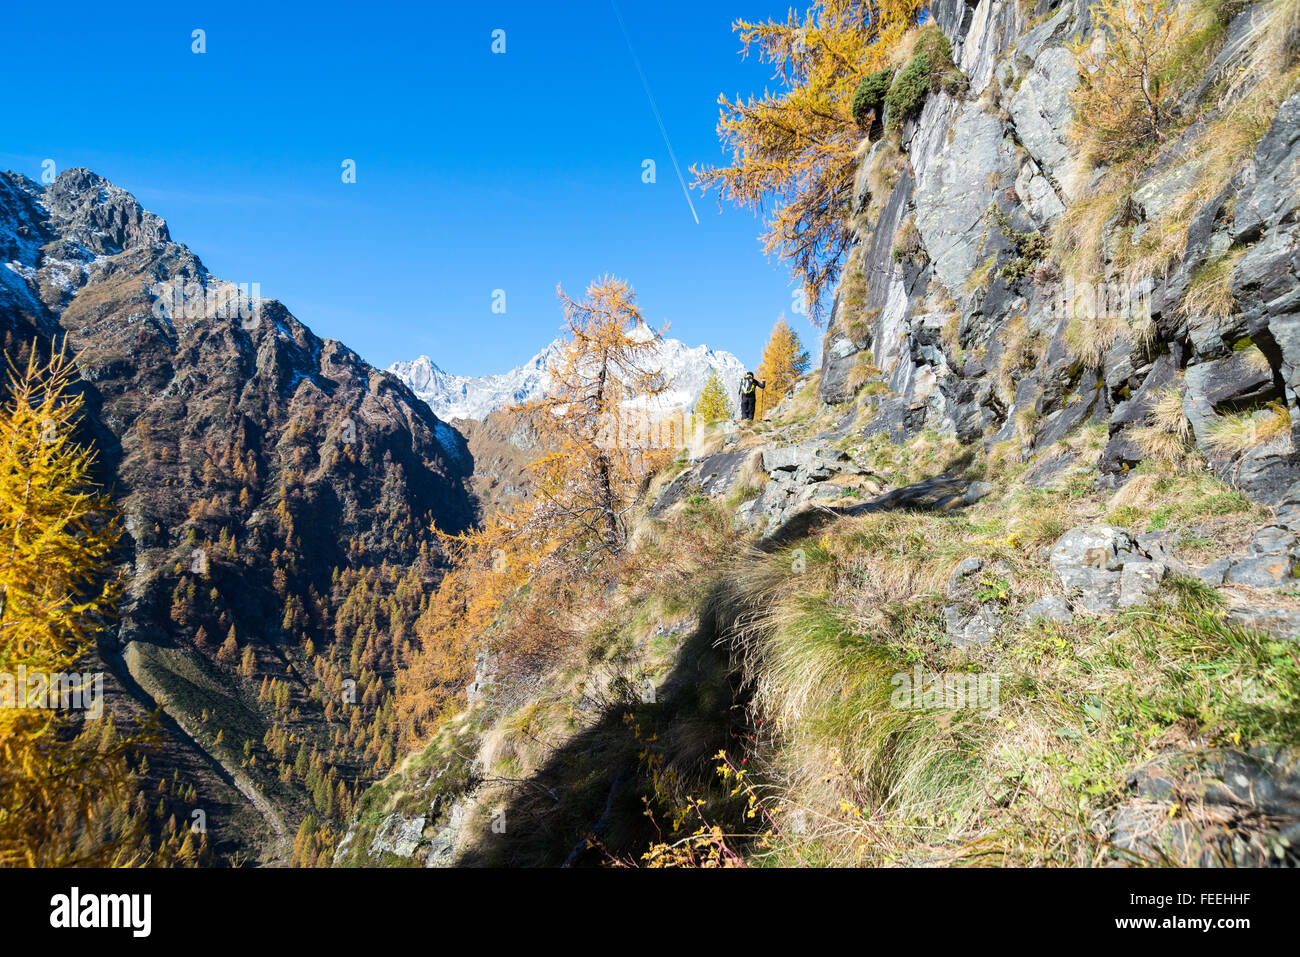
(785, 659)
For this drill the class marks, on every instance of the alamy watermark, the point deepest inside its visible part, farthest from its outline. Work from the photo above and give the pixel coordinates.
(936, 690)
(1093, 301)
(178, 299)
(637, 430)
(63, 690)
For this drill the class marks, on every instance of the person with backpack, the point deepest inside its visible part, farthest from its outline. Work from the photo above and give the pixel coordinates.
(748, 395)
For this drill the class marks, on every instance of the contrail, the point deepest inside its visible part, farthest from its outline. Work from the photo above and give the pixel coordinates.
(658, 119)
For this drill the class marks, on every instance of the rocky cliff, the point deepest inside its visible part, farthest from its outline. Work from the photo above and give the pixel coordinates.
(960, 306)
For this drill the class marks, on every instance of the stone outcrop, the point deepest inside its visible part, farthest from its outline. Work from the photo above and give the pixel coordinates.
(1213, 807)
(967, 332)
(1104, 569)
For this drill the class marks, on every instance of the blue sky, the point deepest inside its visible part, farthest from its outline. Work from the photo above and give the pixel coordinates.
(475, 171)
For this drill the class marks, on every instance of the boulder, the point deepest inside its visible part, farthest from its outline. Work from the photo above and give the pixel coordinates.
(1093, 563)
(1265, 472)
(971, 630)
(1139, 582)
(1052, 608)
(1266, 571)
(959, 580)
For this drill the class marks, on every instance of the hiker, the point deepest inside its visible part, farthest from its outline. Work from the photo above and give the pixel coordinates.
(747, 395)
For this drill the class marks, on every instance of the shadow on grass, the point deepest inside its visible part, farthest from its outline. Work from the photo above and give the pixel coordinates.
(587, 804)
(593, 786)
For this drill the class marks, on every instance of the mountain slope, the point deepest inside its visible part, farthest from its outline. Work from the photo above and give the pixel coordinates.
(263, 474)
(1003, 582)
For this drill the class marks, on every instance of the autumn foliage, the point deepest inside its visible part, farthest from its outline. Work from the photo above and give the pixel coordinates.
(64, 782)
(570, 529)
(784, 362)
(793, 151)
(1128, 86)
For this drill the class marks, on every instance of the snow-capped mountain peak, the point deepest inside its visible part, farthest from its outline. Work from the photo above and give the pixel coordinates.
(685, 368)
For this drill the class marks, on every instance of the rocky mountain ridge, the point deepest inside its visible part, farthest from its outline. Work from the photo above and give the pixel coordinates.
(941, 306)
(253, 463)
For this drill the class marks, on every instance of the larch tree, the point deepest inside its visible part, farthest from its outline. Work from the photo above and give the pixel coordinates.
(605, 369)
(1128, 85)
(572, 523)
(785, 360)
(63, 780)
(714, 404)
(793, 151)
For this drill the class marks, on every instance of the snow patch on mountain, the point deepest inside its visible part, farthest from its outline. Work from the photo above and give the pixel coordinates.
(450, 396)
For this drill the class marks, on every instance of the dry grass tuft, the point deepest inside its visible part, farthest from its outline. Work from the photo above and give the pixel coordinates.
(1239, 432)
(1210, 292)
(1166, 439)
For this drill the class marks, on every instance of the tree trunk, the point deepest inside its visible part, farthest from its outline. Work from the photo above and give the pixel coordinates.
(604, 477)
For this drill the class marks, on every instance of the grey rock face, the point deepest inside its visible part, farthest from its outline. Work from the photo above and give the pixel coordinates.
(103, 218)
(1047, 471)
(1038, 196)
(1234, 381)
(953, 192)
(1139, 582)
(398, 835)
(1052, 608)
(1041, 108)
(790, 489)
(1266, 571)
(1265, 471)
(1214, 572)
(993, 28)
(843, 346)
(1104, 568)
(939, 323)
(1271, 199)
(442, 847)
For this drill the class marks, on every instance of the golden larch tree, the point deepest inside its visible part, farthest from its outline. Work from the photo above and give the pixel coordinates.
(63, 781)
(784, 362)
(793, 151)
(603, 380)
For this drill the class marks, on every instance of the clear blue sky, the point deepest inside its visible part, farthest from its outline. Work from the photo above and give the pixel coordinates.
(475, 171)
